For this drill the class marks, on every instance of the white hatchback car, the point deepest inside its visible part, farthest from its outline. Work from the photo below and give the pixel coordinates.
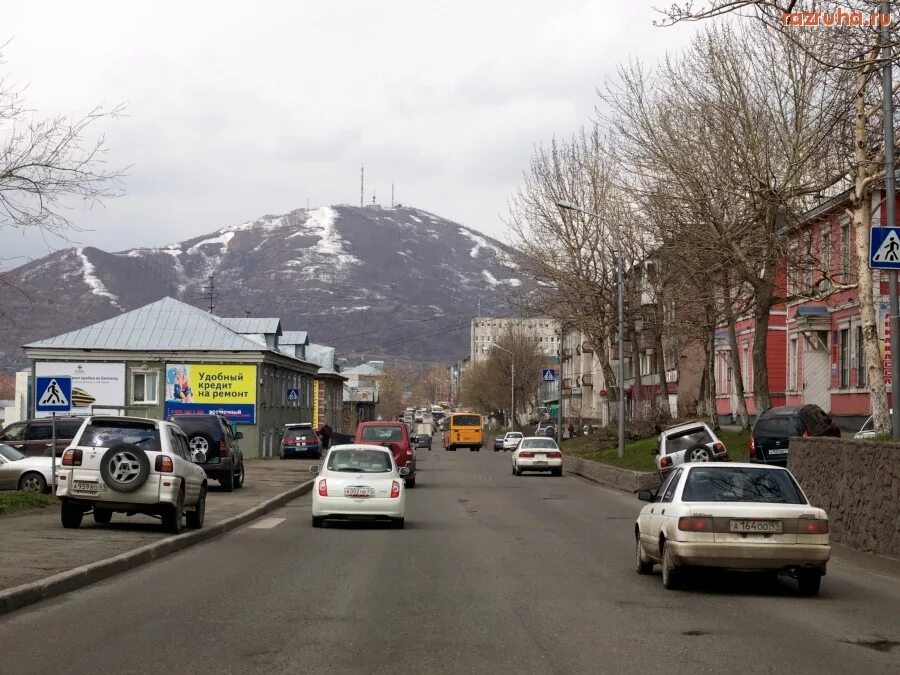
(511, 440)
(359, 482)
(537, 453)
(732, 516)
(131, 465)
(688, 442)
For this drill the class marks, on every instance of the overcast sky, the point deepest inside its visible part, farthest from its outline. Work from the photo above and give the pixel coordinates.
(239, 109)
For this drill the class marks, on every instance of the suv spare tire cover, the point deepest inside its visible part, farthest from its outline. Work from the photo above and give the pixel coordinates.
(201, 442)
(125, 467)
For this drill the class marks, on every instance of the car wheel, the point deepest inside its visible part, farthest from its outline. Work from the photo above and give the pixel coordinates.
(644, 565)
(809, 581)
(196, 517)
(411, 482)
(226, 481)
(125, 467)
(71, 515)
(699, 453)
(398, 523)
(318, 521)
(516, 471)
(200, 443)
(33, 482)
(102, 516)
(556, 472)
(239, 476)
(173, 515)
(671, 575)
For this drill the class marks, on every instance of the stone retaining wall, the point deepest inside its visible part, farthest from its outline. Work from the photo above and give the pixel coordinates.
(623, 479)
(858, 485)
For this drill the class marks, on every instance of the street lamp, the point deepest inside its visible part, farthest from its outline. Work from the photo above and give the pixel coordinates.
(569, 206)
(512, 385)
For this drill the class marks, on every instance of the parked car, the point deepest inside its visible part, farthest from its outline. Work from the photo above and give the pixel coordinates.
(771, 434)
(131, 465)
(537, 453)
(393, 435)
(867, 430)
(545, 429)
(511, 439)
(498, 443)
(33, 437)
(359, 481)
(732, 516)
(300, 439)
(421, 440)
(687, 442)
(214, 447)
(28, 474)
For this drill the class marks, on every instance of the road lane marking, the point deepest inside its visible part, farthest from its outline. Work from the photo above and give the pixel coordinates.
(267, 523)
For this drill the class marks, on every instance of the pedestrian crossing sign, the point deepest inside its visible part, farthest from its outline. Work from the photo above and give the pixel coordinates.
(53, 394)
(884, 248)
(293, 394)
(548, 375)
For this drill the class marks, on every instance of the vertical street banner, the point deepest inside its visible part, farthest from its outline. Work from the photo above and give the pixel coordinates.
(888, 374)
(315, 404)
(212, 389)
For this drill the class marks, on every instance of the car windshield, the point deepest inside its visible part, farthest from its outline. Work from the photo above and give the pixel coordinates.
(360, 461)
(193, 423)
(465, 421)
(301, 434)
(739, 484)
(11, 454)
(538, 443)
(382, 434)
(514, 434)
(684, 440)
(107, 433)
(783, 426)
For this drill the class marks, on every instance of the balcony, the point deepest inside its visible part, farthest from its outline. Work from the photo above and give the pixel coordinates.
(567, 383)
(567, 353)
(586, 347)
(587, 380)
(614, 351)
(646, 341)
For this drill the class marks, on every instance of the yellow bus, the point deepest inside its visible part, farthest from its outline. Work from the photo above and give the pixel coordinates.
(464, 430)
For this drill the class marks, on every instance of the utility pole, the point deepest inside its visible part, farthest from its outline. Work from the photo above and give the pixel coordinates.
(210, 292)
(890, 195)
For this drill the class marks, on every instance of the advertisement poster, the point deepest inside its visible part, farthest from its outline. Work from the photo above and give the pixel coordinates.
(93, 384)
(315, 415)
(212, 389)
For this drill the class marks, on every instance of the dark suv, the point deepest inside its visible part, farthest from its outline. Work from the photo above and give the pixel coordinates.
(33, 437)
(300, 438)
(776, 426)
(214, 447)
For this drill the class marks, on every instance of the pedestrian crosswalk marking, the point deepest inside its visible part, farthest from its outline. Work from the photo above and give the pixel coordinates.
(889, 251)
(53, 395)
(267, 523)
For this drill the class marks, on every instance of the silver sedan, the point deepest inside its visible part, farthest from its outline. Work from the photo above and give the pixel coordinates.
(18, 472)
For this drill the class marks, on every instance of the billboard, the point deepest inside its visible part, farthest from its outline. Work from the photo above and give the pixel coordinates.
(93, 384)
(212, 389)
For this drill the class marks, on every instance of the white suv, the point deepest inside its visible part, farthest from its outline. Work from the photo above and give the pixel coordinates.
(688, 442)
(131, 465)
(511, 440)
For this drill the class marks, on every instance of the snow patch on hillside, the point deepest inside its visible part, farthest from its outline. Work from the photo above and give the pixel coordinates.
(494, 281)
(321, 223)
(88, 275)
(223, 239)
(480, 242)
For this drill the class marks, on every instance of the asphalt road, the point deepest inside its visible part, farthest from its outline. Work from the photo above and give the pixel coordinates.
(493, 574)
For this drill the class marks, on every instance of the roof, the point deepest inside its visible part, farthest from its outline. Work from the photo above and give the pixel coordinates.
(294, 337)
(166, 324)
(252, 325)
(363, 369)
(321, 355)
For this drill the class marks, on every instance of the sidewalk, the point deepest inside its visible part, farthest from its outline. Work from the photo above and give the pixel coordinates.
(35, 545)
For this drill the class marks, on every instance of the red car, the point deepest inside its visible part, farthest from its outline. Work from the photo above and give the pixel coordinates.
(393, 435)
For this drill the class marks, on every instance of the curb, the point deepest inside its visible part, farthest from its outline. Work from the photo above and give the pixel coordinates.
(27, 594)
(621, 479)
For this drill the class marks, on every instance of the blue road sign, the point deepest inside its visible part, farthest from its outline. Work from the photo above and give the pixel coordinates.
(293, 394)
(53, 394)
(884, 248)
(548, 375)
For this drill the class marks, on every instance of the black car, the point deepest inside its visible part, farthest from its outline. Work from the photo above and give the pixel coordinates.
(776, 426)
(33, 438)
(214, 447)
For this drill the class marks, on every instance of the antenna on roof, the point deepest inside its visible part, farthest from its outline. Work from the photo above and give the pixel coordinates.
(210, 292)
(362, 183)
(247, 313)
(373, 197)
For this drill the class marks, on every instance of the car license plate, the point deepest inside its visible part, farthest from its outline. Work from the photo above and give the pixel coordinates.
(539, 461)
(757, 526)
(358, 492)
(778, 451)
(87, 486)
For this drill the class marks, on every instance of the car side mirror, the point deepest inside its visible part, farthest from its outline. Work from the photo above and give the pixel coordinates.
(239, 435)
(646, 496)
(404, 471)
(315, 468)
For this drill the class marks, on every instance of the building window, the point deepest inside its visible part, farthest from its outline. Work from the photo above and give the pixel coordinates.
(860, 358)
(845, 358)
(826, 258)
(792, 361)
(845, 253)
(144, 387)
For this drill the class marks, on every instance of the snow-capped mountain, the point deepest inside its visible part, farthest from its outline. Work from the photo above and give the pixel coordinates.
(387, 282)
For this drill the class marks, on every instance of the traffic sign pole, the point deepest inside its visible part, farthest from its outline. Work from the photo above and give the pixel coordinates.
(891, 210)
(53, 449)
